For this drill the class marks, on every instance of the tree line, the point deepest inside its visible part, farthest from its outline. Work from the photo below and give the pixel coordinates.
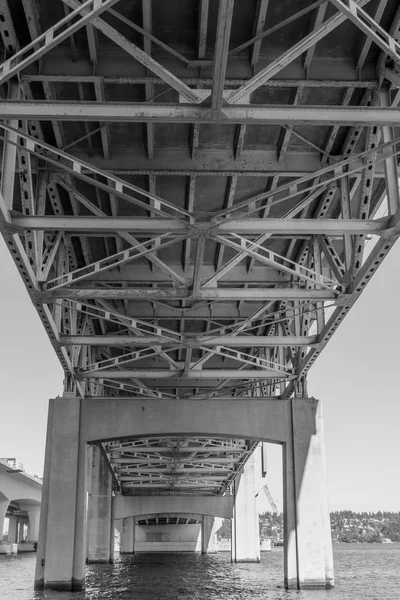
(346, 526)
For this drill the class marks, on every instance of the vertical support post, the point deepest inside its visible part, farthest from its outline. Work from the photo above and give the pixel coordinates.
(99, 513)
(208, 544)
(44, 507)
(60, 559)
(13, 529)
(112, 527)
(33, 527)
(127, 536)
(20, 536)
(3, 509)
(308, 544)
(246, 535)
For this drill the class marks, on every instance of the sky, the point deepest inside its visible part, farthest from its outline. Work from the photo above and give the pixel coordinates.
(355, 377)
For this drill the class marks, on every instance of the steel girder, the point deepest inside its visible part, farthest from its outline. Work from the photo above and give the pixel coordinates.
(177, 465)
(76, 250)
(311, 115)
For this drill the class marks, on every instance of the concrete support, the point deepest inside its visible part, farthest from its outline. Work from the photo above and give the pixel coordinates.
(99, 511)
(308, 545)
(295, 424)
(219, 506)
(209, 528)
(20, 536)
(112, 531)
(61, 549)
(13, 529)
(33, 526)
(3, 509)
(127, 545)
(245, 544)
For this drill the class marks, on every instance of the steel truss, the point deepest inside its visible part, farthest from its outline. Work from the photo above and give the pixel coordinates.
(214, 258)
(177, 465)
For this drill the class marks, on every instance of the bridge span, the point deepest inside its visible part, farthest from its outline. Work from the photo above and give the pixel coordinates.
(20, 497)
(195, 195)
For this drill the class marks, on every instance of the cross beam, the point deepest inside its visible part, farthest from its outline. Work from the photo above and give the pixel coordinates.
(311, 115)
(242, 341)
(291, 227)
(221, 294)
(191, 374)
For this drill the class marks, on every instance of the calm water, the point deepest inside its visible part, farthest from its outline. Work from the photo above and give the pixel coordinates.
(363, 572)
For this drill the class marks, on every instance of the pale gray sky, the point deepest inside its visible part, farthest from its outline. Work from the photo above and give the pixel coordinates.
(355, 377)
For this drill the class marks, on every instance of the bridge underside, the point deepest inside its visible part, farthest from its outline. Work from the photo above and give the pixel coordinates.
(195, 195)
(177, 465)
(195, 186)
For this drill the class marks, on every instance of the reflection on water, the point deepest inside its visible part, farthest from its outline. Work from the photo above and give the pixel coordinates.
(363, 572)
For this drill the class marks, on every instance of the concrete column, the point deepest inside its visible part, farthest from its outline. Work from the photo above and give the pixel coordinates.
(112, 530)
(209, 528)
(33, 527)
(308, 544)
(3, 509)
(60, 558)
(20, 536)
(245, 540)
(13, 529)
(99, 513)
(127, 536)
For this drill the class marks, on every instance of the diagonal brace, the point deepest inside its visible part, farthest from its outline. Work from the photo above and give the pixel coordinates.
(370, 27)
(281, 263)
(115, 260)
(84, 13)
(141, 57)
(123, 234)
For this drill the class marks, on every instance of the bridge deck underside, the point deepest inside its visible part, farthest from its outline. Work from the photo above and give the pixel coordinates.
(196, 183)
(177, 466)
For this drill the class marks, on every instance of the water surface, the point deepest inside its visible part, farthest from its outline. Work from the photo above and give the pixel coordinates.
(363, 572)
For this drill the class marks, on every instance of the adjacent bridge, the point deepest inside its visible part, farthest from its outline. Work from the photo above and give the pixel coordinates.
(20, 497)
(195, 194)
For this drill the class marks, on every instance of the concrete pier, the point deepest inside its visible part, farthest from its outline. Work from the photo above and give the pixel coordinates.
(99, 510)
(127, 544)
(295, 424)
(308, 543)
(209, 528)
(61, 555)
(33, 525)
(245, 538)
(13, 530)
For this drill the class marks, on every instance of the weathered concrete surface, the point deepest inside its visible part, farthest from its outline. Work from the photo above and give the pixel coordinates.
(127, 530)
(61, 541)
(3, 509)
(245, 528)
(242, 418)
(19, 486)
(296, 424)
(126, 506)
(34, 518)
(27, 491)
(174, 538)
(209, 528)
(13, 530)
(308, 555)
(99, 510)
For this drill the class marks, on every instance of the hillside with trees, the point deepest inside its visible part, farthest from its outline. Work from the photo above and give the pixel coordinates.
(346, 525)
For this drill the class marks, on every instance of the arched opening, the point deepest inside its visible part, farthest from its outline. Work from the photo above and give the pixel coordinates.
(20, 524)
(142, 448)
